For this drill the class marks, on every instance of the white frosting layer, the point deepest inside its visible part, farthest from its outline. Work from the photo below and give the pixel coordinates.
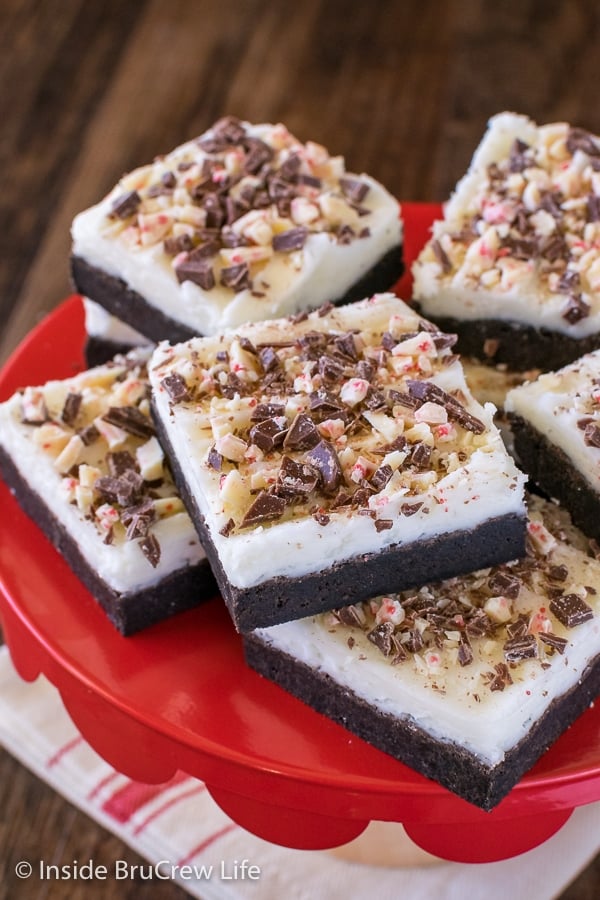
(487, 484)
(121, 564)
(100, 324)
(483, 283)
(322, 271)
(556, 402)
(452, 703)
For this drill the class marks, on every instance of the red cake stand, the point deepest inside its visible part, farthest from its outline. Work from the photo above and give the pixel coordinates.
(179, 695)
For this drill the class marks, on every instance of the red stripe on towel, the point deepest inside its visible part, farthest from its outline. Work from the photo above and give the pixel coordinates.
(207, 842)
(126, 801)
(62, 751)
(197, 789)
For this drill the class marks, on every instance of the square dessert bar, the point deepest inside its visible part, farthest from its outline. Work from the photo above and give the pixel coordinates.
(82, 458)
(514, 266)
(467, 681)
(555, 422)
(332, 456)
(244, 223)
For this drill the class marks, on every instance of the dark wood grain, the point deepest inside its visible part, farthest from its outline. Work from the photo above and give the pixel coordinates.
(88, 90)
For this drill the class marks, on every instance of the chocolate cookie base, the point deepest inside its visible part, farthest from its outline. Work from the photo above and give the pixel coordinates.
(519, 346)
(396, 568)
(553, 471)
(452, 766)
(128, 611)
(99, 350)
(114, 295)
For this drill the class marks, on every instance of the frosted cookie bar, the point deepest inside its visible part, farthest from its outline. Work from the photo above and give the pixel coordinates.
(244, 223)
(467, 681)
(514, 267)
(82, 458)
(555, 422)
(106, 336)
(326, 458)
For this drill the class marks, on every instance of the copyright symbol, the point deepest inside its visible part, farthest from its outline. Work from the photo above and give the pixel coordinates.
(23, 869)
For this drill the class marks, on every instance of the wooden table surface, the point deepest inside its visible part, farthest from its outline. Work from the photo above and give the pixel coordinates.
(91, 89)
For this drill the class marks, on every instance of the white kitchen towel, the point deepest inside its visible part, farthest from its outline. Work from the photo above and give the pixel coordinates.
(178, 826)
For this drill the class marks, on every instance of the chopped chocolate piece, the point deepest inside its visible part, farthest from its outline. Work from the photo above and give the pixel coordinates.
(197, 270)
(330, 369)
(344, 234)
(292, 239)
(381, 636)
(296, 479)
(420, 455)
(569, 281)
(321, 518)
(303, 434)
(236, 277)
(441, 256)
(571, 610)
(176, 387)
(428, 391)
(325, 310)
(214, 459)
(151, 549)
(501, 678)
(444, 341)
(215, 213)
(518, 160)
(383, 524)
(125, 490)
(89, 434)
(180, 244)
(326, 402)
(227, 528)
(593, 208)
(465, 654)
(138, 519)
(349, 615)
(265, 507)
(521, 647)
(403, 399)
(354, 188)
(409, 509)
(518, 628)
(266, 411)
(71, 408)
(558, 573)
(269, 359)
(269, 433)
(119, 461)
(505, 584)
(125, 205)
(345, 345)
(579, 139)
(554, 641)
(576, 309)
(130, 419)
(308, 180)
(381, 476)
(290, 166)
(366, 370)
(591, 435)
(324, 458)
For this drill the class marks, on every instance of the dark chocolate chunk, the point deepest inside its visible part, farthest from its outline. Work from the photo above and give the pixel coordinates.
(518, 159)
(558, 573)
(308, 180)
(303, 434)
(505, 585)
(428, 391)
(383, 524)
(214, 459)
(381, 636)
(465, 654)
(325, 401)
(403, 399)
(125, 490)
(324, 458)
(180, 244)
(554, 641)
(380, 477)
(500, 678)
(345, 345)
(571, 610)
(119, 461)
(420, 455)
(130, 419)
(265, 508)
(236, 277)
(269, 359)
(176, 387)
(296, 479)
(267, 411)
(409, 509)
(198, 270)
(125, 205)
(292, 239)
(366, 369)
(227, 528)
(576, 309)
(521, 647)
(354, 188)
(441, 256)
(330, 369)
(569, 281)
(344, 234)
(258, 153)
(349, 615)
(591, 435)
(89, 434)
(71, 408)
(138, 519)
(151, 549)
(579, 139)
(593, 208)
(518, 628)
(269, 433)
